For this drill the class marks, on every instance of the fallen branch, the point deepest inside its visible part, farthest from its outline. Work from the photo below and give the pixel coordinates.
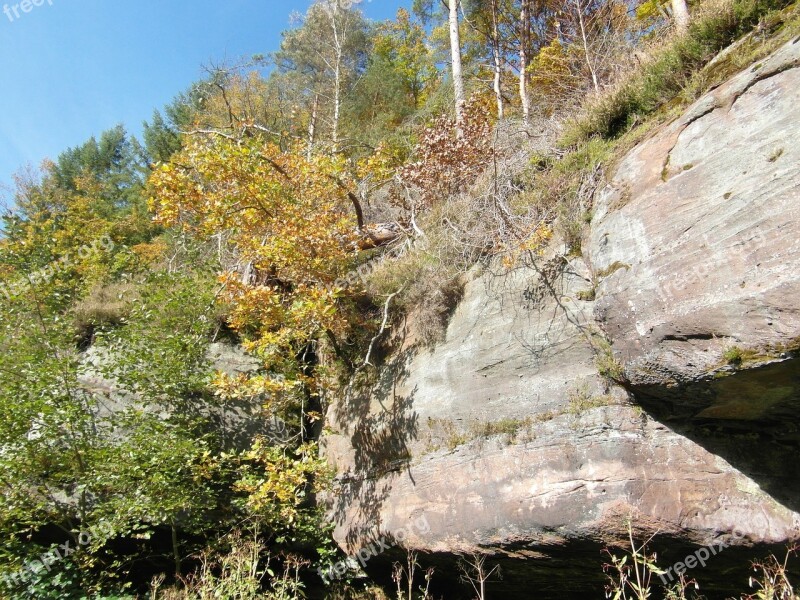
(380, 234)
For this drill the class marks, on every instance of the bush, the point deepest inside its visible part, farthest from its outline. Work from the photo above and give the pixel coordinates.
(430, 285)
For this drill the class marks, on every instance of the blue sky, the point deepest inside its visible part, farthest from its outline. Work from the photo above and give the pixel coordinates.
(70, 69)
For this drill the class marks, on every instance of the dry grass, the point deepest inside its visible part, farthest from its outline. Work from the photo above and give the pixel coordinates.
(454, 234)
(670, 69)
(104, 306)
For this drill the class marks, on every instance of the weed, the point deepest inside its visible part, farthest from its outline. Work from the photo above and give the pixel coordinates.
(775, 155)
(736, 356)
(671, 69)
(580, 400)
(611, 269)
(607, 365)
(446, 430)
(773, 584)
(733, 355)
(633, 579)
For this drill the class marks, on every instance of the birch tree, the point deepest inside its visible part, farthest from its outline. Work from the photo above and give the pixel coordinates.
(455, 54)
(328, 53)
(680, 12)
(524, 57)
(585, 43)
(497, 60)
(489, 19)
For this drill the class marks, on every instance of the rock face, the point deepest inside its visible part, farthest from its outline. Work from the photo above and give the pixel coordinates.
(696, 248)
(237, 423)
(699, 231)
(507, 439)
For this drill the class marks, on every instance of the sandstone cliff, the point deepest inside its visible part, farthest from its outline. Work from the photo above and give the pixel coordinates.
(656, 378)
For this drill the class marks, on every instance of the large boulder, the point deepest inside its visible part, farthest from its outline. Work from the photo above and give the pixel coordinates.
(696, 253)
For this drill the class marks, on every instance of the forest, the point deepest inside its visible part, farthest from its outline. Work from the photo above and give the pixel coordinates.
(285, 212)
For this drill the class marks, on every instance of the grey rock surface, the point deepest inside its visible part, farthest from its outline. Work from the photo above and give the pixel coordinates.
(696, 241)
(238, 423)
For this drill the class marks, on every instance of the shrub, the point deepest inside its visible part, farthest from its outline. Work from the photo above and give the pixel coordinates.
(447, 163)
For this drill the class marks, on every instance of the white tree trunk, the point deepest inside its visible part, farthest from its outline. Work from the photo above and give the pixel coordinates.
(334, 63)
(338, 49)
(524, 44)
(680, 13)
(458, 77)
(498, 92)
(312, 127)
(586, 53)
(337, 102)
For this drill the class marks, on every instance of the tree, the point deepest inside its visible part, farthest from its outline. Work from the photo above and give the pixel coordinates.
(593, 36)
(290, 222)
(497, 59)
(398, 79)
(161, 139)
(455, 54)
(401, 44)
(524, 57)
(578, 4)
(327, 53)
(70, 463)
(490, 20)
(680, 12)
(115, 162)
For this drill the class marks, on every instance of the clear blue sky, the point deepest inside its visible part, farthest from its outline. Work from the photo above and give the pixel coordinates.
(70, 69)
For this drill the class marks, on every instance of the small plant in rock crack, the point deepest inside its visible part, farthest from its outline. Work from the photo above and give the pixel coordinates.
(607, 365)
(733, 355)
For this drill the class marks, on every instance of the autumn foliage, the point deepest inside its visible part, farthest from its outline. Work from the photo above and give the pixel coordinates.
(290, 225)
(447, 163)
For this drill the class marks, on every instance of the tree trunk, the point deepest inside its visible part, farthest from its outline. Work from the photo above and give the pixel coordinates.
(680, 13)
(338, 42)
(337, 103)
(312, 127)
(586, 53)
(524, 48)
(498, 92)
(458, 78)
